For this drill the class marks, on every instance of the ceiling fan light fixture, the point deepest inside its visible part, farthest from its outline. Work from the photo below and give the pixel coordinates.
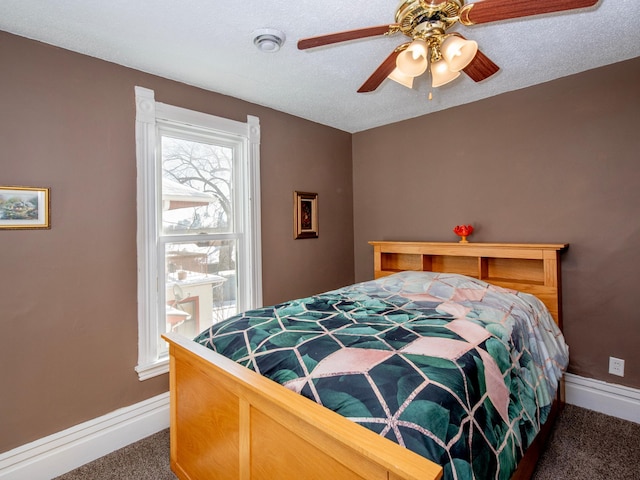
(441, 75)
(401, 78)
(426, 23)
(268, 40)
(458, 52)
(413, 62)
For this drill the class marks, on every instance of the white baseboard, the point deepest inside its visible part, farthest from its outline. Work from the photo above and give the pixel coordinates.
(64, 451)
(615, 400)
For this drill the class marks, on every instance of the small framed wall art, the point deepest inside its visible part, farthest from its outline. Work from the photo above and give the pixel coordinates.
(24, 208)
(305, 215)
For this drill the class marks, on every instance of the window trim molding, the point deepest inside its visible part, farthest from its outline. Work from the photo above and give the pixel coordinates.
(148, 112)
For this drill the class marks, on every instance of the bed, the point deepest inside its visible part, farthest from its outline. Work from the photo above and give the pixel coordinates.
(229, 422)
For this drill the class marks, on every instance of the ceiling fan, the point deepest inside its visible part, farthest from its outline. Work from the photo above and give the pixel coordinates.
(445, 54)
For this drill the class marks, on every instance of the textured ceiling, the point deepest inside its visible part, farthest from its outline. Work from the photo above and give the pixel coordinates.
(209, 44)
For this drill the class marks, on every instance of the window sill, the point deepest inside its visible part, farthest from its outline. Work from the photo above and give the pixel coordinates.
(150, 370)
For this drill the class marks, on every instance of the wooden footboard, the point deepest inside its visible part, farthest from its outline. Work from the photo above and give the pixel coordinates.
(228, 422)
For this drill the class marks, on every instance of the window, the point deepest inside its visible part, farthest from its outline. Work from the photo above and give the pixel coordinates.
(198, 223)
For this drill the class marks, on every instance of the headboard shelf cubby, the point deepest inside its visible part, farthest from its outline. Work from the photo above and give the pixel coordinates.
(527, 267)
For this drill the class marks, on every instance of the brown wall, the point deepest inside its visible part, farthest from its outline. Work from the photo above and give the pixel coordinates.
(68, 295)
(558, 162)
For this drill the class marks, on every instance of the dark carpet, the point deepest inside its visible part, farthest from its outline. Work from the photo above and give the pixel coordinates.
(583, 445)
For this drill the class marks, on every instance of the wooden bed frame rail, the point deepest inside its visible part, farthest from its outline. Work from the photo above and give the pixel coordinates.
(230, 423)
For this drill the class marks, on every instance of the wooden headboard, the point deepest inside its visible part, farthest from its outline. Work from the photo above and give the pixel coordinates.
(527, 267)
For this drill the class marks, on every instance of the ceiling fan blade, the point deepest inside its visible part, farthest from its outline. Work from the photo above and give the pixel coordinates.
(481, 67)
(494, 10)
(321, 40)
(383, 71)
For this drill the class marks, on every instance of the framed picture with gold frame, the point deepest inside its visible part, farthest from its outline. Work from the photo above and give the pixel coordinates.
(24, 208)
(305, 215)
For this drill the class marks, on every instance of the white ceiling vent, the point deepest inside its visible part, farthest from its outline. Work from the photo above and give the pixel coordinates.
(268, 39)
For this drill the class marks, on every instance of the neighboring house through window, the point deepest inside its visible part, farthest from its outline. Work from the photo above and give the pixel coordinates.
(198, 223)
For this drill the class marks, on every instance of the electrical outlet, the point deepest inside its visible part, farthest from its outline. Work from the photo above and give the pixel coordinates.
(616, 366)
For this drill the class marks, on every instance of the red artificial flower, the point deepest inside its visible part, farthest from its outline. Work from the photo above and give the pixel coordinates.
(463, 230)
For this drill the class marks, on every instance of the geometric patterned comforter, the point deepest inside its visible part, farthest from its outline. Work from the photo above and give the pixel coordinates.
(453, 368)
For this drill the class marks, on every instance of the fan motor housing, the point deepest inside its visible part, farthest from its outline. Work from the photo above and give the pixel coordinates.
(424, 18)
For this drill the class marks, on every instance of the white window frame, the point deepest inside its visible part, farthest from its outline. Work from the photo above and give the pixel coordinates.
(152, 361)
